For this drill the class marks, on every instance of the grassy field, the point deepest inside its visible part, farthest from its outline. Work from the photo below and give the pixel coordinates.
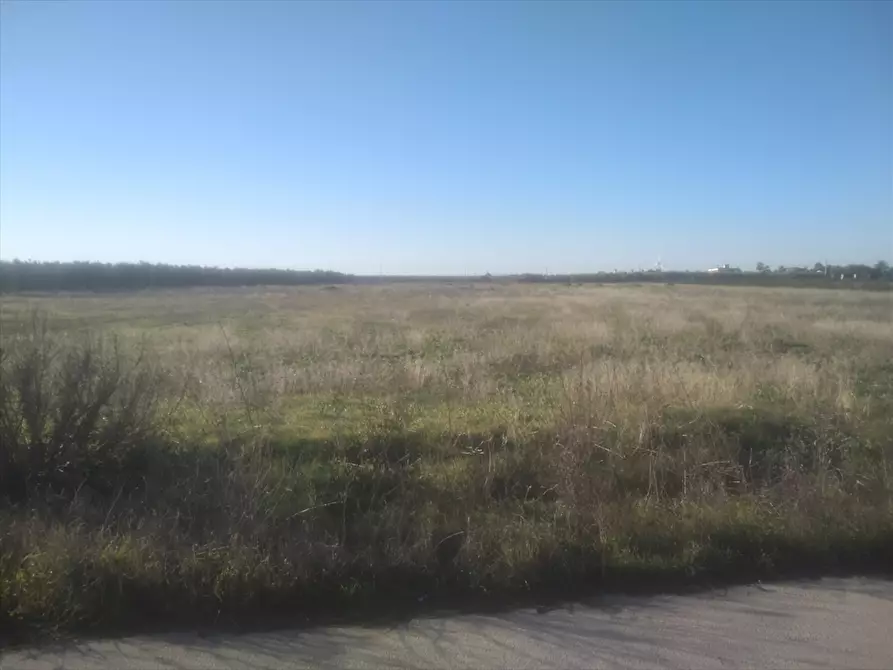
(223, 455)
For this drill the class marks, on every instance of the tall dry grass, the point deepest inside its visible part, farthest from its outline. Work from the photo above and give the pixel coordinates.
(209, 455)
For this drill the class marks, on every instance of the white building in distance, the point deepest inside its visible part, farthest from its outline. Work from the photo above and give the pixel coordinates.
(724, 269)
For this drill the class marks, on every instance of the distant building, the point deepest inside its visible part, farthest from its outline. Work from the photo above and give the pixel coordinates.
(724, 269)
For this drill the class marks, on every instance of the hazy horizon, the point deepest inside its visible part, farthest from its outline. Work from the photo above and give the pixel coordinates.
(468, 275)
(447, 138)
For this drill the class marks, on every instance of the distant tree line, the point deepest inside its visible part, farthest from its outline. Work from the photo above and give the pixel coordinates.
(878, 277)
(86, 276)
(880, 270)
(18, 276)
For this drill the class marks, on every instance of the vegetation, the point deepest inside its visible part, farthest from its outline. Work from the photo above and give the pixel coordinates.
(83, 276)
(176, 457)
(17, 276)
(879, 271)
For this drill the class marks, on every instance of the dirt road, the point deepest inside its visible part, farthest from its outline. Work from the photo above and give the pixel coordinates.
(832, 623)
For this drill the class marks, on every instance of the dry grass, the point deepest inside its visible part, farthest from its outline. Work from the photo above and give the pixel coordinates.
(315, 448)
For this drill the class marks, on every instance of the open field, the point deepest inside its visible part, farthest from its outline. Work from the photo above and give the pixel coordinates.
(216, 455)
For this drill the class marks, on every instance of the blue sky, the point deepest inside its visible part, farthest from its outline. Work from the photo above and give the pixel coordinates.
(447, 137)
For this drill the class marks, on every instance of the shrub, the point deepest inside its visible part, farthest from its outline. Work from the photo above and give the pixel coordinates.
(74, 412)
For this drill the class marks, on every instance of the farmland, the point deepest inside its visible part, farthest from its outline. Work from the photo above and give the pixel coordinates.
(222, 454)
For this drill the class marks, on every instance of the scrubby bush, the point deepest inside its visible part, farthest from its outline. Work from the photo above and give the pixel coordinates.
(74, 412)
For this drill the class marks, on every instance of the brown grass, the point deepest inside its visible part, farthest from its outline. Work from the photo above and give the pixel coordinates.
(313, 448)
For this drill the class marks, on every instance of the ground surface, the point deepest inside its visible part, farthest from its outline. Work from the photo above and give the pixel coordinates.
(189, 457)
(832, 623)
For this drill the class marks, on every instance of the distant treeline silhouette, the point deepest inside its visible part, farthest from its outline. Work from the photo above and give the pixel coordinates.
(86, 276)
(877, 277)
(17, 276)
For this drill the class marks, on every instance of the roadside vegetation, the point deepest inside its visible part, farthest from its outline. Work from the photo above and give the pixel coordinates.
(222, 455)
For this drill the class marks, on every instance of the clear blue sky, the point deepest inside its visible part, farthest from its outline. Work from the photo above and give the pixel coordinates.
(447, 137)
